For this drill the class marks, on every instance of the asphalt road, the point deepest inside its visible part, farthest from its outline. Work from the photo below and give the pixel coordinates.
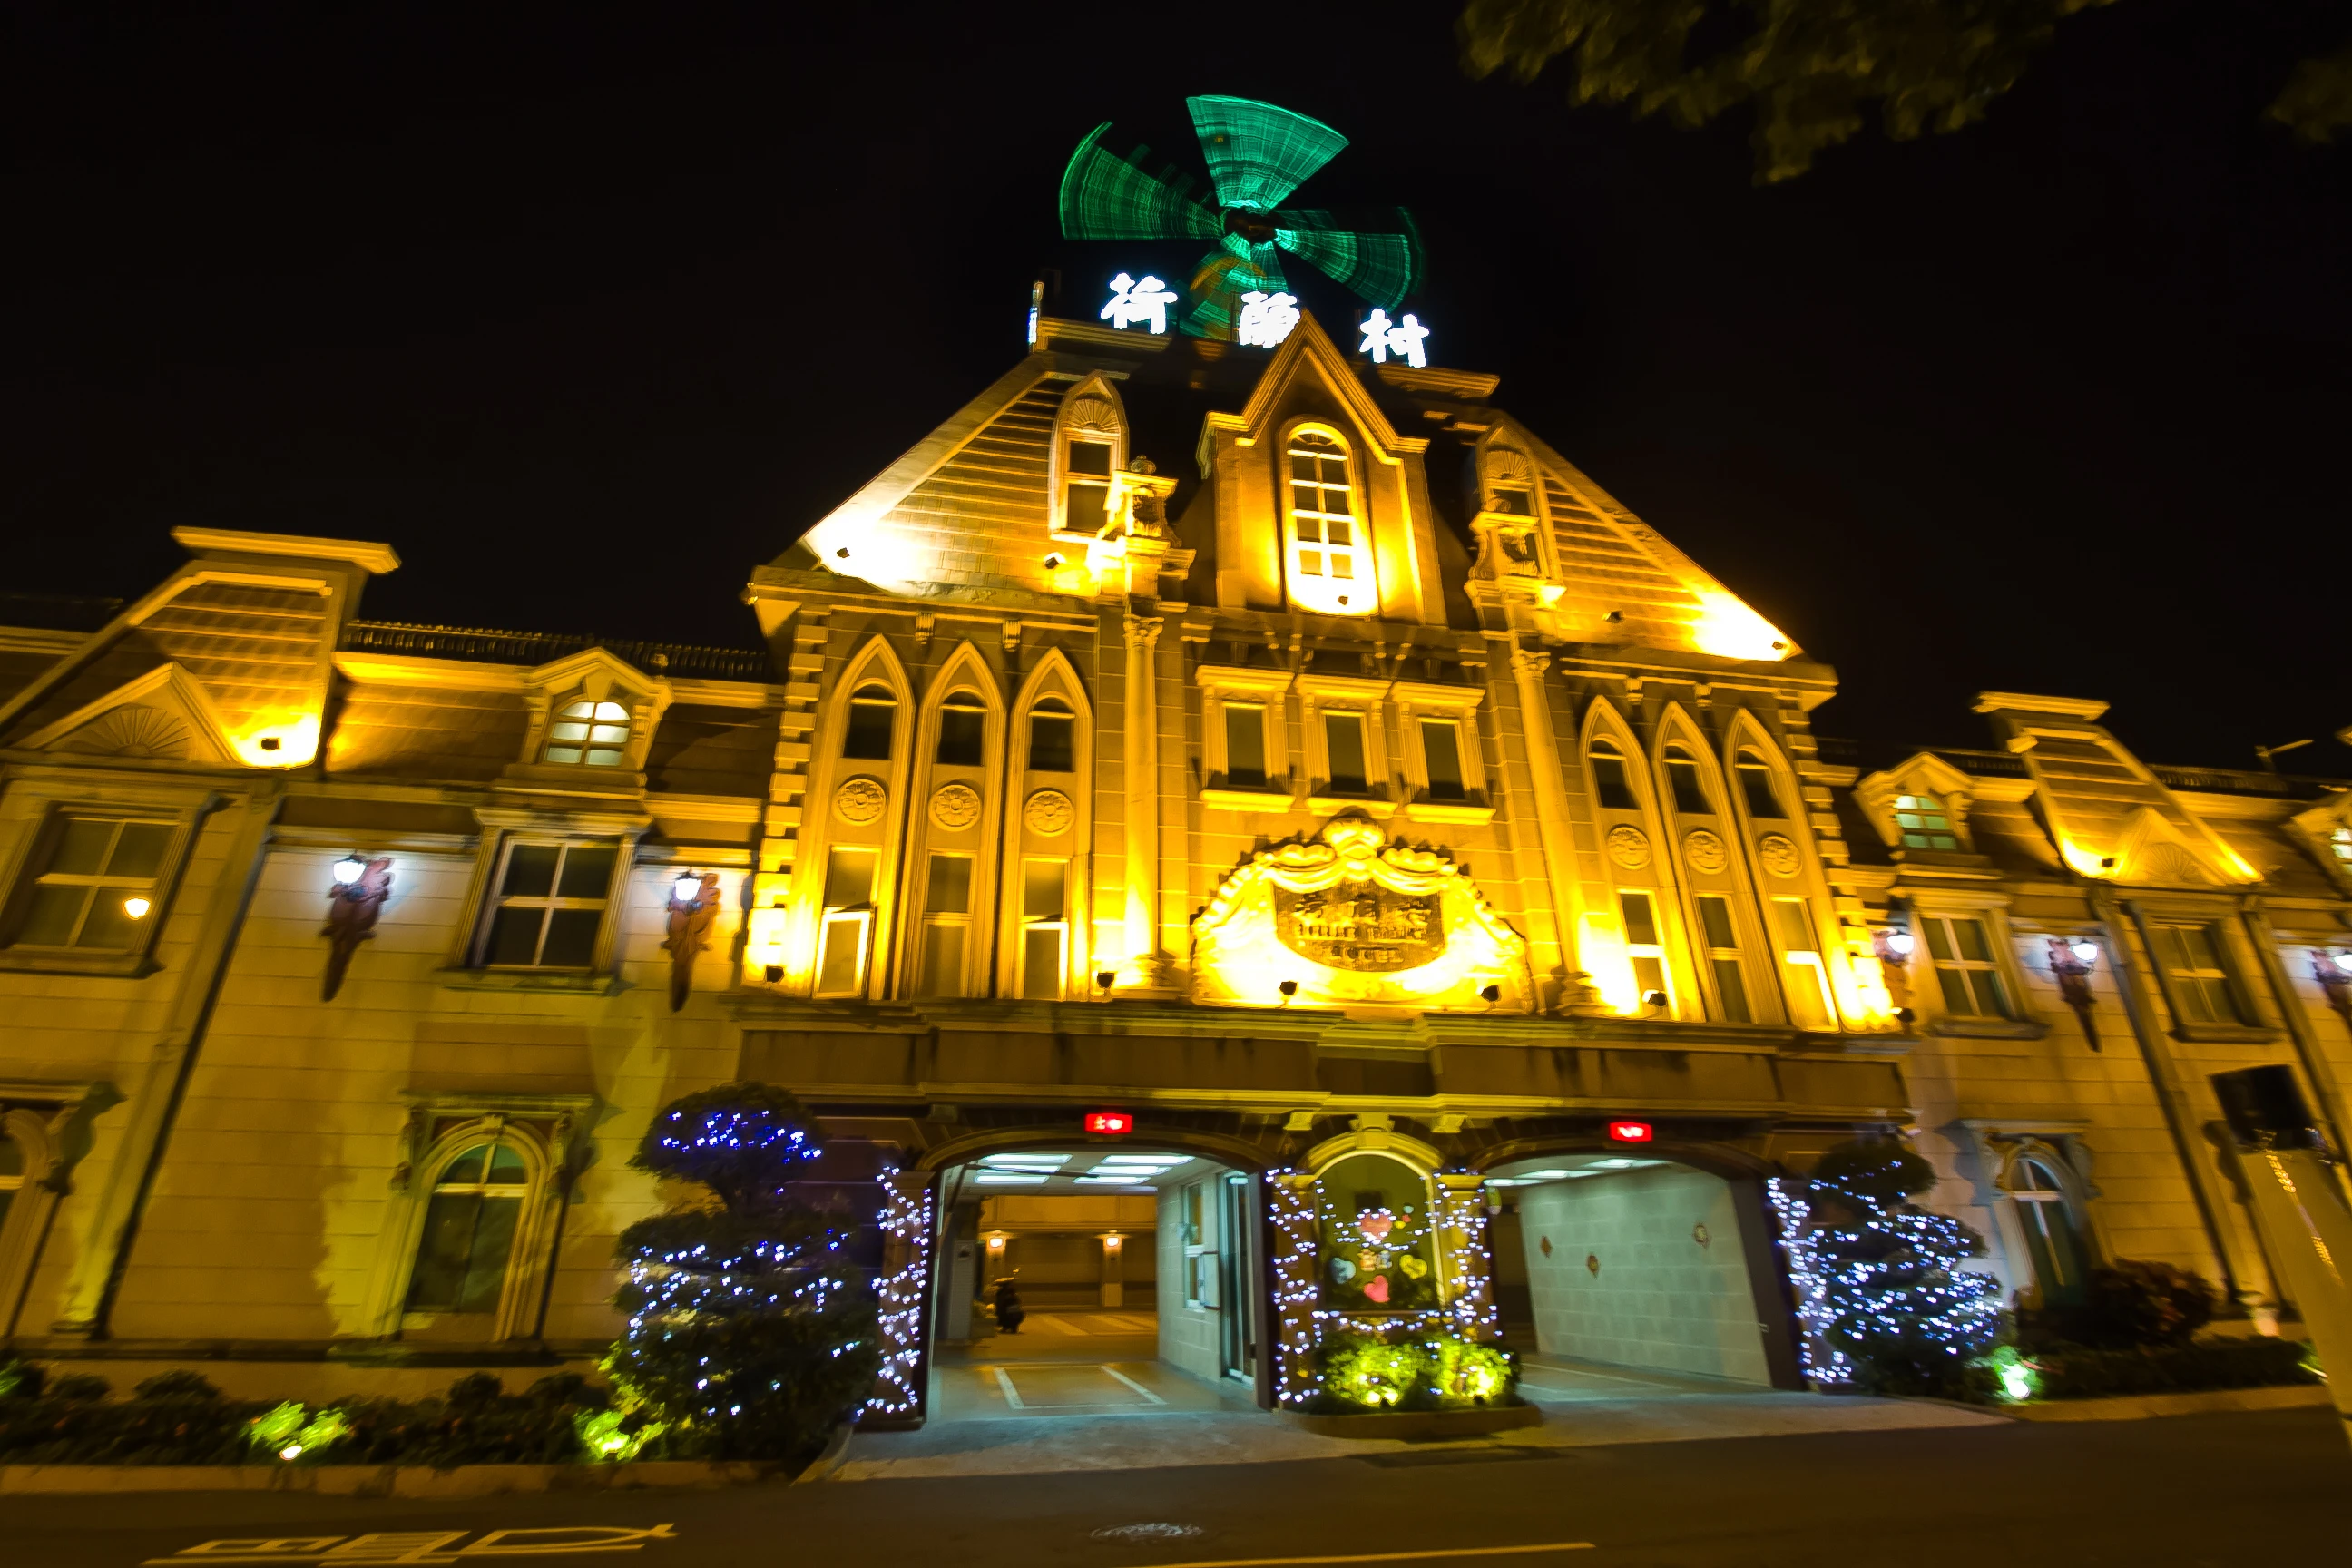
(2187, 1492)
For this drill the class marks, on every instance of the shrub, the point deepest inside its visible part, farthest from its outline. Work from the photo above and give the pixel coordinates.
(179, 1385)
(2132, 1305)
(83, 1386)
(1447, 1371)
(2077, 1372)
(21, 1380)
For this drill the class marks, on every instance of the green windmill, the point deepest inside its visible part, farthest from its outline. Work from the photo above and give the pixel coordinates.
(1258, 154)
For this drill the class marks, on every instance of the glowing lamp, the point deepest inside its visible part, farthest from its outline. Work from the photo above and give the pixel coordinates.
(1631, 1132)
(687, 888)
(1116, 1122)
(1901, 942)
(2344, 961)
(1111, 1244)
(136, 908)
(347, 871)
(2084, 952)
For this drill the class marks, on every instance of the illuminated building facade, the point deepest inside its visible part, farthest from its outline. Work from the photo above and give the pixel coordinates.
(1294, 754)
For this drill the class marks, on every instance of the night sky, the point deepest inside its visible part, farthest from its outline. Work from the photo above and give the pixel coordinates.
(589, 311)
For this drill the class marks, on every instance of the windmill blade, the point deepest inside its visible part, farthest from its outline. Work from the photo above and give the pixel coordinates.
(1234, 268)
(1381, 268)
(1105, 197)
(1258, 153)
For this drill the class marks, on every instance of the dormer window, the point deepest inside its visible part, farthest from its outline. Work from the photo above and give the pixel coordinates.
(1085, 486)
(591, 734)
(1509, 488)
(1330, 569)
(1923, 823)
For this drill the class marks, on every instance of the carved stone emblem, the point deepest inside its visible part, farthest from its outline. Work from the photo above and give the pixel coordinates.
(1778, 855)
(1705, 850)
(1629, 847)
(955, 805)
(1361, 926)
(859, 801)
(1049, 812)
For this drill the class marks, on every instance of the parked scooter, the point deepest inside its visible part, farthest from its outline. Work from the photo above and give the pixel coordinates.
(1009, 1310)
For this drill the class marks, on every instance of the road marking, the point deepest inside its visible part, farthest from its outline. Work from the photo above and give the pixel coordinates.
(1005, 1383)
(1386, 1556)
(418, 1546)
(1135, 1385)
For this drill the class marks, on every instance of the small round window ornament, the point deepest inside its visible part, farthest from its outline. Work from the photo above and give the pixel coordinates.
(1706, 851)
(1050, 812)
(859, 801)
(1778, 855)
(1629, 847)
(955, 806)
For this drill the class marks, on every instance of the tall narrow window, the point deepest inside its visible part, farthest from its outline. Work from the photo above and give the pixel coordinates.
(1045, 928)
(1326, 543)
(96, 885)
(1343, 746)
(1964, 968)
(1086, 479)
(1923, 823)
(947, 926)
(2050, 1234)
(1052, 737)
(1756, 788)
(2191, 958)
(873, 713)
(1801, 964)
(1441, 753)
(1646, 947)
(1245, 745)
(590, 733)
(2340, 842)
(549, 905)
(1690, 794)
(12, 1172)
(469, 1231)
(848, 918)
(1609, 778)
(963, 726)
(1723, 957)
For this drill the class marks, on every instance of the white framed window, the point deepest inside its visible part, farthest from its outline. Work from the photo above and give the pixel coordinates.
(1720, 931)
(1244, 764)
(845, 927)
(947, 927)
(1443, 777)
(1330, 559)
(1086, 484)
(2189, 955)
(1246, 748)
(588, 734)
(2053, 1240)
(1802, 973)
(1967, 968)
(94, 882)
(548, 900)
(471, 1218)
(1199, 1247)
(1923, 823)
(1045, 929)
(1645, 947)
(1346, 770)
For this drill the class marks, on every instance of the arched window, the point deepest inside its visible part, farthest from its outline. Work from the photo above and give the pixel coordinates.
(1510, 489)
(1052, 737)
(1756, 788)
(1690, 789)
(589, 733)
(873, 711)
(963, 727)
(2050, 1232)
(2340, 841)
(1923, 823)
(12, 1172)
(469, 1230)
(1330, 564)
(1610, 779)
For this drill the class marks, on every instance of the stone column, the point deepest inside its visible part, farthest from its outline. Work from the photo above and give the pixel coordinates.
(1554, 831)
(1141, 769)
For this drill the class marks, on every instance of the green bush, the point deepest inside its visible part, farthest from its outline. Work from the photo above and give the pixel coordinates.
(2079, 1372)
(2130, 1305)
(1368, 1373)
(180, 1385)
(86, 1387)
(21, 1380)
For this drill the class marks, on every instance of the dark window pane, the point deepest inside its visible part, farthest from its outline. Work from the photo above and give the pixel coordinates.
(1343, 738)
(587, 871)
(1956, 993)
(1090, 458)
(571, 938)
(81, 846)
(530, 871)
(848, 879)
(869, 736)
(837, 963)
(1440, 748)
(1796, 923)
(1991, 1001)
(12, 1157)
(1244, 743)
(1041, 964)
(1517, 503)
(465, 1167)
(1939, 942)
(1690, 795)
(1641, 919)
(506, 1166)
(1052, 744)
(1733, 988)
(960, 731)
(942, 961)
(109, 924)
(1972, 936)
(1042, 889)
(442, 1252)
(1755, 784)
(1088, 509)
(138, 852)
(514, 936)
(950, 889)
(1715, 916)
(50, 915)
(486, 1267)
(1609, 778)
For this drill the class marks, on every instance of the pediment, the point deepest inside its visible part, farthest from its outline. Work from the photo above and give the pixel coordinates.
(2150, 850)
(1309, 357)
(166, 714)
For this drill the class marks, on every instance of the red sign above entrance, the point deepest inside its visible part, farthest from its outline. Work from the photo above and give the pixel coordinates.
(1630, 1131)
(1110, 1122)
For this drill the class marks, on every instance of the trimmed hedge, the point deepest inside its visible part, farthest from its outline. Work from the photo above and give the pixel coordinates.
(2077, 1372)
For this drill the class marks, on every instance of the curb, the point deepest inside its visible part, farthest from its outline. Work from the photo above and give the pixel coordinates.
(1418, 1426)
(383, 1481)
(828, 1462)
(2141, 1406)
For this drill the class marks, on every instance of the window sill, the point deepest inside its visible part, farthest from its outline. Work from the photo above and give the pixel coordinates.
(1989, 1028)
(531, 980)
(2225, 1033)
(1332, 805)
(1247, 800)
(61, 961)
(1449, 811)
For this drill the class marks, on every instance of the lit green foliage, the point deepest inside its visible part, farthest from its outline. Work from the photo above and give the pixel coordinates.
(21, 1380)
(615, 1436)
(1378, 1376)
(1812, 70)
(1446, 1371)
(2016, 1377)
(1463, 1373)
(276, 1428)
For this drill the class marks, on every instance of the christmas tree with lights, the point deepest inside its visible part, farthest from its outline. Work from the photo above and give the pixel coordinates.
(751, 1318)
(1888, 1306)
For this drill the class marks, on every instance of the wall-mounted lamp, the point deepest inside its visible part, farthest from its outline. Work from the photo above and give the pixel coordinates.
(2071, 962)
(136, 907)
(1654, 998)
(1899, 945)
(1111, 1242)
(1054, 561)
(996, 1245)
(1105, 979)
(693, 905)
(1615, 618)
(2334, 973)
(354, 898)
(1894, 945)
(1490, 995)
(1288, 988)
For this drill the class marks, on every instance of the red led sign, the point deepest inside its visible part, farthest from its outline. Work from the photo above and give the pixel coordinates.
(1630, 1131)
(1110, 1122)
